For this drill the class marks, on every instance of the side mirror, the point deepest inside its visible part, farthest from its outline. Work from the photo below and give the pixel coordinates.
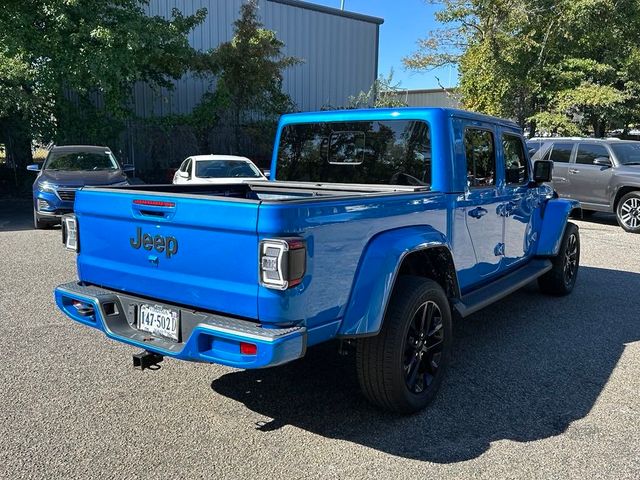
(602, 161)
(33, 168)
(542, 171)
(128, 168)
(182, 174)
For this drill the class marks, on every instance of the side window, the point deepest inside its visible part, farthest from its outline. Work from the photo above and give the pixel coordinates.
(183, 167)
(481, 157)
(561, 152)
(515, 161)
(588, 152)
(187, 167)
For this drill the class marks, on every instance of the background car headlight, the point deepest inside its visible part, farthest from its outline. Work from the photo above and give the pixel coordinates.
(47, 187)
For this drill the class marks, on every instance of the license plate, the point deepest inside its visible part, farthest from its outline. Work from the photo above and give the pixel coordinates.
(160, 321)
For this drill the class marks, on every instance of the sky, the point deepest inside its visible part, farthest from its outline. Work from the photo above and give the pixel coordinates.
(405, 21)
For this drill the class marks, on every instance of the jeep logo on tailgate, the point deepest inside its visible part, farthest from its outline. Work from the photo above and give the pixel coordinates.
(168, 245)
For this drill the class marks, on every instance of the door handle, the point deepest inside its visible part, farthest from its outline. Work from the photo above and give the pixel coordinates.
(573, 171)
(478, 212)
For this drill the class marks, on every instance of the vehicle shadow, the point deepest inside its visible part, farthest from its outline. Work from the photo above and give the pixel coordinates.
(602, 219)
(524, 369)
(15, 215)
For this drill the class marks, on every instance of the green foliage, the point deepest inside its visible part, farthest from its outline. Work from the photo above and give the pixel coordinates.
(384, 93)
(564, 66)
(248, 73)
(67, 66)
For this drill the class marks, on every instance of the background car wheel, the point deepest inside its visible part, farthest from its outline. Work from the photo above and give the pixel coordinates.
(561, 279)
(628, 212)
(39, 224)
(401, 368)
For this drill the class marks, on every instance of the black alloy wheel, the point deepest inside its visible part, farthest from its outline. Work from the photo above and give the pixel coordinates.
(423, 347)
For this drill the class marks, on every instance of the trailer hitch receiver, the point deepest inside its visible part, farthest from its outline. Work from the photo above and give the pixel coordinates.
(147, 360)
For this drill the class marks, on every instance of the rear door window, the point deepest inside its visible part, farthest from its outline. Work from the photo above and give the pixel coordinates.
(561, 152)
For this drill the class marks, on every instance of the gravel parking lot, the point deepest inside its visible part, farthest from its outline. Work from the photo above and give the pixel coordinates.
(540, 387)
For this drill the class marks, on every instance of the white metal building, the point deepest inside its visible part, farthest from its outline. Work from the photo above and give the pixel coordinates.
(339, 50)
(434, 97)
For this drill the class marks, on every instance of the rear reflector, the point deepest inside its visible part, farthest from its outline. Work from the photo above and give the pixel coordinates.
(83, 309)
(248, 348)
(154, 203)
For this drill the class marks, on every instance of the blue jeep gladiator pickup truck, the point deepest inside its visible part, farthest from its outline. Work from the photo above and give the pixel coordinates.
(378, 227)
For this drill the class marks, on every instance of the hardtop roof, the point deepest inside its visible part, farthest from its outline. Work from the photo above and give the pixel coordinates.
(389, 114)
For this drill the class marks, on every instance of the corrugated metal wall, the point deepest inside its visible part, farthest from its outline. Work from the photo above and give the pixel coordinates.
(430, 98)
(339, 53)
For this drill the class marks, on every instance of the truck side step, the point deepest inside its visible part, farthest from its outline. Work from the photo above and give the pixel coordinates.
(147, 360)
(486, 295)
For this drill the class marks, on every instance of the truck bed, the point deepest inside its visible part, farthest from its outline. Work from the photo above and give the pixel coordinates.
(271, 191)
(197, 245)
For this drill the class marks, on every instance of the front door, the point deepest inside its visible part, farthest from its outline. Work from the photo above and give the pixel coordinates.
(521, 200)
(589, 182)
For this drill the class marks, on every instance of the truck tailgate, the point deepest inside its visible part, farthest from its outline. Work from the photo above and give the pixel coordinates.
(190, 250)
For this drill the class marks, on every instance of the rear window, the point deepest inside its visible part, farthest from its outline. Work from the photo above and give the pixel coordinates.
(533, 146)
(225, 169)
(391, 152)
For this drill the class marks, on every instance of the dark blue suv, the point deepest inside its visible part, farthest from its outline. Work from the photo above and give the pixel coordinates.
(66, 169)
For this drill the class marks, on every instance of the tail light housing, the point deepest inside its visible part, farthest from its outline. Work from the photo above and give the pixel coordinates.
(283, 262)
(70, 232)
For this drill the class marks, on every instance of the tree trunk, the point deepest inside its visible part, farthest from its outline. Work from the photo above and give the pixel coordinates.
(236, 131)
(599, 127)
(18, 142)
(532, 128)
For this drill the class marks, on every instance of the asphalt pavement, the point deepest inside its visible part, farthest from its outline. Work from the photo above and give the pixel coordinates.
(540, 387)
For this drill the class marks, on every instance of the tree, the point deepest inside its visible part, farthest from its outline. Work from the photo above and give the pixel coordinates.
(384, 93)
(248, 76)
(67, 67)
(565, 66)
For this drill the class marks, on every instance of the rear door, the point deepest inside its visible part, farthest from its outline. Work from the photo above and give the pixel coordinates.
(561, 154)
(589, 182)
(199, 251)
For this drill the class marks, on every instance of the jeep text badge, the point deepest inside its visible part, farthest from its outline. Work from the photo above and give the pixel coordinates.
(168, 245)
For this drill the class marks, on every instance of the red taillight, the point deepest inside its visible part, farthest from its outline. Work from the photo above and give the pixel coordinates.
(154, 203)
(248, 348)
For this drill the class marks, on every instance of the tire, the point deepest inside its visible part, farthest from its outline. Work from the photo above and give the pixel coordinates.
(628, 212)
(397, 369)
(561, 279)
(39, 224)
